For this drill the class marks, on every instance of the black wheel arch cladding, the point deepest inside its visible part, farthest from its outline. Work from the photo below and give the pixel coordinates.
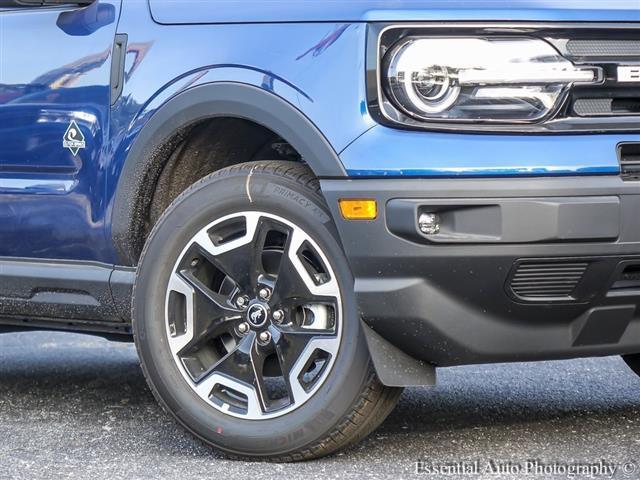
(220, 99)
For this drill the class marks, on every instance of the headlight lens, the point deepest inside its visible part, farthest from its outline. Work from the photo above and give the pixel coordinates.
(480, 79)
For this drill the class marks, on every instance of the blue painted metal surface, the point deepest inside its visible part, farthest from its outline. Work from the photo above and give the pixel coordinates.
(384, 151)
(55, 70)
(57, 205)
(220, 11)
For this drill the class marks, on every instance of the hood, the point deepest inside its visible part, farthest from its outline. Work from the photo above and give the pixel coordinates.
(250, 11)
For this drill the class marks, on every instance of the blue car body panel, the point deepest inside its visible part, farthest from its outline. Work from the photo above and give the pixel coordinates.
(60, 206)
(55, 69)
(244, 11)
(384, 151)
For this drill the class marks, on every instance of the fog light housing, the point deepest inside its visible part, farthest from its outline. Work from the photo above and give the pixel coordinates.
(429, 223)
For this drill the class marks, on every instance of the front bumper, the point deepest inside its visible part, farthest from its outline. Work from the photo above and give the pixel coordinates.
(523, 268)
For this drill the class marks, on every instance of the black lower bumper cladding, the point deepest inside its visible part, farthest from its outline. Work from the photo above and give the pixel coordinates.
(520, 269)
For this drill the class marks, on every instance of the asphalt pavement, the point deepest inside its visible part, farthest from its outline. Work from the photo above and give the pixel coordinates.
(74, 406)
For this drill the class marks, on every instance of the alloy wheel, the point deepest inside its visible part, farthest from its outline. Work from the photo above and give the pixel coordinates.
(253, 315)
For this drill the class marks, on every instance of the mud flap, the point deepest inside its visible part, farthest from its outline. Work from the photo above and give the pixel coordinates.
(394, 367)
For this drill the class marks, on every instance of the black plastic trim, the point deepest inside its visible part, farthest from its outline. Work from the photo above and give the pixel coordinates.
(451, 304)
(118, 54)
(220, 99)
(629, 158)
(121, 285)
(393, 366)
(110, 330)
(499, 220)
(70, 295)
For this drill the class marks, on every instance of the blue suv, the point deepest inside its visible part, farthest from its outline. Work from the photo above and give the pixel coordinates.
(296, 208)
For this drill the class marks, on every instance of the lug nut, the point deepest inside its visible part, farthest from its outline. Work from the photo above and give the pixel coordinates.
(243, 327)
(264, 293)
(264, 337)
(195, 262)
(278, 316)
(242, 301)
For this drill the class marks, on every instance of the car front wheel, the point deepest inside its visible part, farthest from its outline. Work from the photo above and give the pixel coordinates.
(245, 318)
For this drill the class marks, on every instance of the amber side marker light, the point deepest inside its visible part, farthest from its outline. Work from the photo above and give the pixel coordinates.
(358, 209)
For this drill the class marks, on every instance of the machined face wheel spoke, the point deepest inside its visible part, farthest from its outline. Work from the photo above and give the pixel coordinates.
(243, 366)
(204, 312)
(253, 315)
(295, 284)
(240, 259)
(294, 349)
(215, 304)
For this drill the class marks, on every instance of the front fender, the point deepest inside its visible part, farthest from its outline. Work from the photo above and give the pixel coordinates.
(217, 99)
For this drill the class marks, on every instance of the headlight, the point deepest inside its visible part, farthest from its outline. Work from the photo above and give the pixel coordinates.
(499, 79)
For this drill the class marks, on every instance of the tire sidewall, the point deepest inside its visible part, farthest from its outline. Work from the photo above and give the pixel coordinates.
(214, 197)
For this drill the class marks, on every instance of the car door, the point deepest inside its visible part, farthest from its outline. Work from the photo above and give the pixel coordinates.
(55, 92)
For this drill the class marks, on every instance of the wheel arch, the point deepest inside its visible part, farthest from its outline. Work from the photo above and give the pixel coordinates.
(197, 104)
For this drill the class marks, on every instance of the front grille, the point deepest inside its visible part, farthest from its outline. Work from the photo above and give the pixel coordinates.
(630, 161)
(590, 107)
(615, 103)
(547, 280)
(597, 107)
(603, 48)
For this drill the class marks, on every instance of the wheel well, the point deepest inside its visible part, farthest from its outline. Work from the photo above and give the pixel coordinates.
(197, 151)
(223, 124)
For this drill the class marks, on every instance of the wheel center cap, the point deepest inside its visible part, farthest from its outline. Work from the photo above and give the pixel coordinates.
(257, 314)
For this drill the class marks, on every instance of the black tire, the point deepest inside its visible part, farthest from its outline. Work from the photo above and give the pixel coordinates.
(634, 362)
(351, 401)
